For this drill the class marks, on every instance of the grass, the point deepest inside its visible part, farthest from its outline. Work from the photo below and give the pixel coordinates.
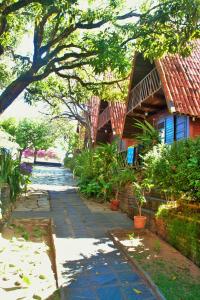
(174, 282)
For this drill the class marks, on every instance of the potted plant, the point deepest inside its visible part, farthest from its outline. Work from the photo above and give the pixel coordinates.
(120, 179)
(114, 203)
(139, 192)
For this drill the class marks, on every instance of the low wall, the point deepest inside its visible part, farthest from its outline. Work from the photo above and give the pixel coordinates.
(180, 231)
(5, 203)
(183, 233)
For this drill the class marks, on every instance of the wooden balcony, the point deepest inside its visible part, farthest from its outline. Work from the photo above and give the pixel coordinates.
(144, 89)
(104, 117)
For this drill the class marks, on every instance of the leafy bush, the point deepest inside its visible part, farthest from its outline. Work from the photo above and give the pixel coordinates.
(100, 171)
(69, 162)
(175, 169)
(11, 172)
(148, 137)
(182, 229)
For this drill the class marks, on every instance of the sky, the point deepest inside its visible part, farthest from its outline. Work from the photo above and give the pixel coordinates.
(19, 109)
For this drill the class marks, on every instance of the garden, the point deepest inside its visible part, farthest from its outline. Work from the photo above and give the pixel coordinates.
(171, 173)
(62, 55)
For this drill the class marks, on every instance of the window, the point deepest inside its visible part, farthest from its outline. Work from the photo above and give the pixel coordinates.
(173, 128)
(161, 130)
(169, 129)
(181, 125)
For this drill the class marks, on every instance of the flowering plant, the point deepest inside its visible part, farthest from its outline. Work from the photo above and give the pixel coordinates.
(28, 152)
(25, 169)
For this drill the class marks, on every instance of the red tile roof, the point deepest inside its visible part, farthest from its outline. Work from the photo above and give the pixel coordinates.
(117, 115)
(180, 79)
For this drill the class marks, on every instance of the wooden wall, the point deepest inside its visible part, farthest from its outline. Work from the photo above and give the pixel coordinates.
(194, 128)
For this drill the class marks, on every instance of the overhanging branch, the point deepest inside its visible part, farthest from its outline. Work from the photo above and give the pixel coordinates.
(89, 84)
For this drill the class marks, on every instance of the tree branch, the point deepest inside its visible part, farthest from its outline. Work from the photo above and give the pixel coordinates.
(87, 84)
(74, 55)
(102, 22)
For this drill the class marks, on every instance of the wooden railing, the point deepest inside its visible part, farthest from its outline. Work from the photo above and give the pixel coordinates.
(145, 88)
(104, 117)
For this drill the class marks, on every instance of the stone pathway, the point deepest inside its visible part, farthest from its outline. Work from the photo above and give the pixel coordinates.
(89, 265)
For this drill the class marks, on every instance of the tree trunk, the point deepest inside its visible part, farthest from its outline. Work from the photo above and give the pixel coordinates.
(88, 128)
(35, 156)
(20, 154)
(14, 90)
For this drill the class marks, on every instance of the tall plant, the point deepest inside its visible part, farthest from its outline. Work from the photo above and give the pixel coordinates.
(148, 136)
(96, 168)
(11, 172)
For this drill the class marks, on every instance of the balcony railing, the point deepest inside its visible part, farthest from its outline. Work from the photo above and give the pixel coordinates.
(145, 88)
(104, 117)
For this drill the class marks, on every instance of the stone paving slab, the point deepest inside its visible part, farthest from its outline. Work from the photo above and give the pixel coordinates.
(89, 265)
(33, 201)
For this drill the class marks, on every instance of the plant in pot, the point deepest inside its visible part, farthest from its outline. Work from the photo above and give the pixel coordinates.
(139, 192)
(120, 179)
(114, 202)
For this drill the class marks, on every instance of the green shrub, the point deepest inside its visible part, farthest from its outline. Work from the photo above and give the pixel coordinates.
(175, 169)
(69, 162)
(182, 230)
(11, 173)
(100, 171)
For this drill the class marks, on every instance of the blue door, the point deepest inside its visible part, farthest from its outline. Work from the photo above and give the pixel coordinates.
(130, 155)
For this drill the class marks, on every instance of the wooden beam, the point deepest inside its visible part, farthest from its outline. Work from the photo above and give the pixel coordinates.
(152, 106)
(136, 114)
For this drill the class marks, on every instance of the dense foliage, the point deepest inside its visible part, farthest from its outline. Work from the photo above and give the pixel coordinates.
(11, 172)
(148, 136)
(31, 134)
(101, 171)
(175, 169)
(182, 227)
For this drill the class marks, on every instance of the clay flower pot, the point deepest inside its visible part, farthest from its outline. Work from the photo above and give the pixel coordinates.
(139, 222)
(114, 204)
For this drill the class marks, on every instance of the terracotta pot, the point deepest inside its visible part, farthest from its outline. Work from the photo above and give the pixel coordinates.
(114, 204)
(139, 222)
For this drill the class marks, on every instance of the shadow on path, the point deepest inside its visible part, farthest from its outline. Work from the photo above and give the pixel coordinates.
(89, 266)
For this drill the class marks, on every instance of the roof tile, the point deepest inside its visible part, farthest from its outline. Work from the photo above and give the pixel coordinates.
(180, 78)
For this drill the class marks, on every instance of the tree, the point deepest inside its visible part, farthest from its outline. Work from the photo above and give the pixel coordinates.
(9, 125)
(31, 134)
(10, 23)
(68, 100)
(67, 38)
(67, 136)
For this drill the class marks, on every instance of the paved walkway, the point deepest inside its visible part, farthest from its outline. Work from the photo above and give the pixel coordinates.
(89, 265)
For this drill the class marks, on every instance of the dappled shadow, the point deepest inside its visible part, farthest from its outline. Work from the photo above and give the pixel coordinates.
(89, 266)
(101, 273)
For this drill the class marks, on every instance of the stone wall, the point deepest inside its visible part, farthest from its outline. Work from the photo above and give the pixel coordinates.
(180, 231)
(183, 233)
(5, 203)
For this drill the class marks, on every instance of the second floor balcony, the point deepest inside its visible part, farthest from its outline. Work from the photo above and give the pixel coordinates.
(143, 90)
(104, 117)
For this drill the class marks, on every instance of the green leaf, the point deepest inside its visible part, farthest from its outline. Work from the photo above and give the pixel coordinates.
(26, 280)
(37, 297)
(138, 292)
